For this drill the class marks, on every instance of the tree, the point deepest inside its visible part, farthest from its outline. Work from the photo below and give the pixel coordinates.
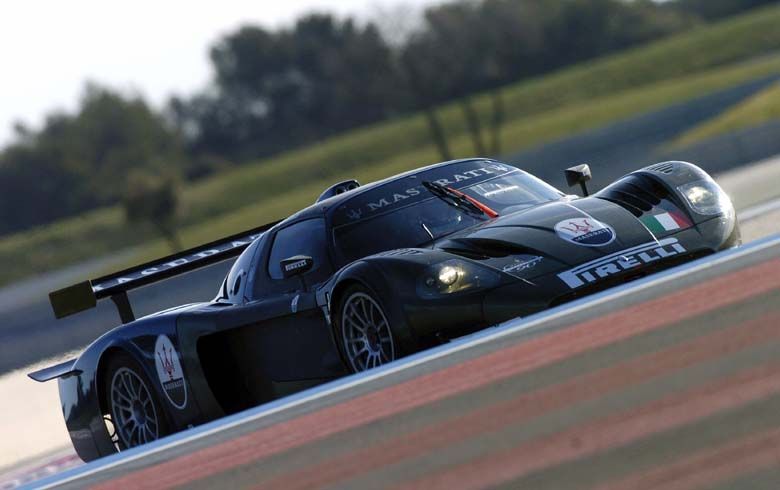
(459, 54)
(417, 76)
(78, 161)
(459, 58)
(414, 70)
(473, 47)
(275, 90)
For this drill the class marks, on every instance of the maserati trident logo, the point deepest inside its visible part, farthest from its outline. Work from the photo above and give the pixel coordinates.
(166, 361)
(581, 228)
(354, 214)
(587, 232)
(169, 372)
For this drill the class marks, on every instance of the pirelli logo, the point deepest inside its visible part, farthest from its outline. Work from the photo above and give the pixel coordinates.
(621, 261)
(295, 265)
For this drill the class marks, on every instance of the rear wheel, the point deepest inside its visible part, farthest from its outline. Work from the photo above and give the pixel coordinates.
(364, 332)
(135, 412)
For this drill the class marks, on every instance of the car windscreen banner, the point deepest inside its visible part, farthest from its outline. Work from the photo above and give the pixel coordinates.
(409, 189)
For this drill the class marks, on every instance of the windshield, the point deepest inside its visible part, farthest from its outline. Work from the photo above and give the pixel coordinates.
(403, 213)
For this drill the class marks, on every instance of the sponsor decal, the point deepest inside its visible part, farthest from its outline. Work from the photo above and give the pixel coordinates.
(499, 189)
(587, 232)
(663, 222)
(380, 203)
(394, 199)
(621, 261)
(187, 259)
(295, 265)
(169, 372)
(522, 265)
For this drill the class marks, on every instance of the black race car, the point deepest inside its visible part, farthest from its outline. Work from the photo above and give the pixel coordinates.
(366, 275)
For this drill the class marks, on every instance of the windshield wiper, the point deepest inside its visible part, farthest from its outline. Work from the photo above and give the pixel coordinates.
(459, 199)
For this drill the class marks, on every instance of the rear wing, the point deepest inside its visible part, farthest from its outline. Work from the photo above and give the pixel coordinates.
(85, 295)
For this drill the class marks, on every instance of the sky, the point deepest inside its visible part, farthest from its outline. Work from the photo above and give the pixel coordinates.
(50, 48)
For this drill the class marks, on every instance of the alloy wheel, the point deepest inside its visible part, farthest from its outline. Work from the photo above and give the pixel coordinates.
(366, 334)
(133, 412)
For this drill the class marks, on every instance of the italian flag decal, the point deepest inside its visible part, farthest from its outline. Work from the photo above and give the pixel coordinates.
(668, 221)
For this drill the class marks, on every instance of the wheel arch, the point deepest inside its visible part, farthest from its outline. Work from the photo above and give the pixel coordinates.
(356, 273)
(379, 282)
(338, 292)
(134, 352)
(100, 371)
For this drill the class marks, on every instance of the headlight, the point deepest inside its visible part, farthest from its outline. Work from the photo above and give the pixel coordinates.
(454, 276)
(706, 197)
(449, 275)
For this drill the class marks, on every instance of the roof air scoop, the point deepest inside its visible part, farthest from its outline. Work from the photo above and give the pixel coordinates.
(337, 189)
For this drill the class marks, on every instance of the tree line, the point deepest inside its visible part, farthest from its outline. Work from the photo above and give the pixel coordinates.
(273, 90)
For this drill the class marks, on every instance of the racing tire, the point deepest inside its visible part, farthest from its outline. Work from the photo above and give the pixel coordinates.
(365, 336)
(136, 413)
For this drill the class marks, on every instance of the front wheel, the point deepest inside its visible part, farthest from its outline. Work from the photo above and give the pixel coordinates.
(365, 335)
(135, 412)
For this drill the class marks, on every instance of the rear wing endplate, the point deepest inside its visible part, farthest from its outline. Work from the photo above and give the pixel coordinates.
(85, 295)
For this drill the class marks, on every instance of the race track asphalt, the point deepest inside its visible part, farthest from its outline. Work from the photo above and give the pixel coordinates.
(672, 382)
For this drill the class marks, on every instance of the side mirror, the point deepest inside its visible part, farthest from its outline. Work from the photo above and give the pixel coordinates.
(296, 266)
(578, 175)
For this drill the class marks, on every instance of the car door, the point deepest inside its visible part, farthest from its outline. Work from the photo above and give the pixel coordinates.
(289, 341)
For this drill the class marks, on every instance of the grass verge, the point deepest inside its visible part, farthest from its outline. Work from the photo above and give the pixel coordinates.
(761, 108)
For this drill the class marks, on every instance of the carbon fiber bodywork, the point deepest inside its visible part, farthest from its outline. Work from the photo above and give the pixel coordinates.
(250, 346)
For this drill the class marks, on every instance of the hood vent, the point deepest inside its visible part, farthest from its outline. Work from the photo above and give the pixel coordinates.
(482, 249)
(635, 193)
(400, 251)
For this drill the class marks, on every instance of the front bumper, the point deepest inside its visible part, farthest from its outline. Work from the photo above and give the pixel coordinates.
(518, 299)
(464, 313)
(452, 317)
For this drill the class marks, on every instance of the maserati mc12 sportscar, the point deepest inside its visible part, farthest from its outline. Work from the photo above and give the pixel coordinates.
(366, 275)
